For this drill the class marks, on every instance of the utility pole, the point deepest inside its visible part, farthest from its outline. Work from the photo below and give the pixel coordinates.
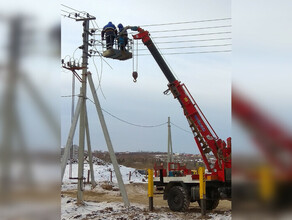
(109, 143)
(81, 112)
(169, 146)
(72, 115)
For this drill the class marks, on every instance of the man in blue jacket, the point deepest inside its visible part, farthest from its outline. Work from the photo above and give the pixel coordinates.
(110, 33)
(123, 37)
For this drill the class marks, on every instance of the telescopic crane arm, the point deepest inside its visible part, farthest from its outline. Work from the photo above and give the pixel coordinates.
(204, 135)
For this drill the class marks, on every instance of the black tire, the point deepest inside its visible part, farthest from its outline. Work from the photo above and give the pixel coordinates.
(210, 204)
(178, 199)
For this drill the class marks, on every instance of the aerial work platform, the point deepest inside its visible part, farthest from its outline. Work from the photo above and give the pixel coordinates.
(117, 54)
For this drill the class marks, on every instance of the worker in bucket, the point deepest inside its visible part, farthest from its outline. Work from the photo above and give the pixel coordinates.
(123, 37)
(110, 33)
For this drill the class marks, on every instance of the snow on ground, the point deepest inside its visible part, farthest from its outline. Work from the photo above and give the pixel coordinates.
(102, 173)
(116, 211)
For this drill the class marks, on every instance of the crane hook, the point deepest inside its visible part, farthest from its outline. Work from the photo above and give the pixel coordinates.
(135, 76)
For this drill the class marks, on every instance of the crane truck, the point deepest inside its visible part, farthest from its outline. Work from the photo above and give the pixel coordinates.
(181, 185)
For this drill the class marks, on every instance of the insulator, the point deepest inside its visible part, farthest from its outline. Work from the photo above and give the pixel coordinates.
(62, 61)
(68, 63)
(135, 76)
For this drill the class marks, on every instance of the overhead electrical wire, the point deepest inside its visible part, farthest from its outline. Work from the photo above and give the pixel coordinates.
(129, 123)
(133, 124)
(180, 128)
(100, 55)
(99, 29)
(191, 35)
(67, 16)
(216, 45)
(186, 22)
(66, 11)
(99, 79)
(96, 28)
(70, 8)
(183, 41)
(198, 52)
(190, 29)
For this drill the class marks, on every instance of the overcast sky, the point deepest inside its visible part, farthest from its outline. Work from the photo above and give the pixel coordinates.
(207, 76)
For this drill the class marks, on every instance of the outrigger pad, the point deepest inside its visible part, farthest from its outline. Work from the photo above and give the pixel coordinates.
(117, 54)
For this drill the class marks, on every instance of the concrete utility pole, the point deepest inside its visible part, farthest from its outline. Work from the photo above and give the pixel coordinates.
(109, 143)
(72, 115)
(169, 145)
(81, 113)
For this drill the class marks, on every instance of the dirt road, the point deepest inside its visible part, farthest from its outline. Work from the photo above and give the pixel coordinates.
(137, 193)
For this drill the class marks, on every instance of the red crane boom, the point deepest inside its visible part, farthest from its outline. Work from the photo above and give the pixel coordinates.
(204, 135)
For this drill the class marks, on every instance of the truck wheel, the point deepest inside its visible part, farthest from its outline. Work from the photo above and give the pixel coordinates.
(210, 204)
(178, 200)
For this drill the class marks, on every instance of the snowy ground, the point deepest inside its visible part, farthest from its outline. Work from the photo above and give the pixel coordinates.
(102, 173)
(116, 210)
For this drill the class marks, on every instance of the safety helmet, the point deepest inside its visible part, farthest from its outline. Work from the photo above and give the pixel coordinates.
(120, 26)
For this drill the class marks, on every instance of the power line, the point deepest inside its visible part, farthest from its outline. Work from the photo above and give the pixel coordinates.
(216, 45)
(129, 123)
(122, 120)
(189, 29)
(183, 41)
(218, 51)
(97, 29)
(190, 35)
(180, 128)
(187, 22)
(65, 11)
(70, 8)
(67, 16)
(99, 79)
(136, 125)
